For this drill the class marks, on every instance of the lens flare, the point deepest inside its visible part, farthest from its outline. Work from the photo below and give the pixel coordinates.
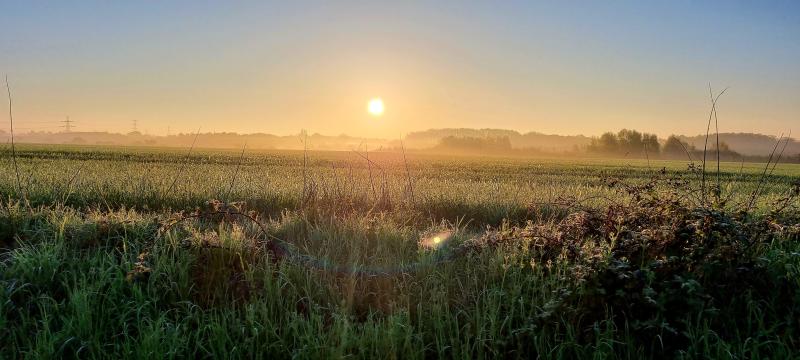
(436, 240)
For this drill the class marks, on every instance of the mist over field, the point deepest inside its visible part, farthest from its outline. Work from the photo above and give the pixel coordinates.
(532, 143)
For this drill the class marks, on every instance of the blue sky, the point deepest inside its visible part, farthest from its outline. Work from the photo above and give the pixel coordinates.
(557, 67)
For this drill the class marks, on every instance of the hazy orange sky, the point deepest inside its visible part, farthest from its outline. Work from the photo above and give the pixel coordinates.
(278, 67)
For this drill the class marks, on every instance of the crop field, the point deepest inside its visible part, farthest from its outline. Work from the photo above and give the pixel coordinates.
(172, 253)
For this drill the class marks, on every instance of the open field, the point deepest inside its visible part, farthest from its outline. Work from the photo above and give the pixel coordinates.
(485, 190)
(118, 253)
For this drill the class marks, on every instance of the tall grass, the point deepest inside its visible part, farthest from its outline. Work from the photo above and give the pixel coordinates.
(556, 259)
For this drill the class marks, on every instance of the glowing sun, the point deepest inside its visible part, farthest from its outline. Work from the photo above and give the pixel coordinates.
(375, 107)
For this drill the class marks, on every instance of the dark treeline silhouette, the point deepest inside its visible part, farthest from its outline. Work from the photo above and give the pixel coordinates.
(215, 140)
(675, 148)
(631, 143)
(747, 143)
(625, 142)
(500, 144)
(531, 140)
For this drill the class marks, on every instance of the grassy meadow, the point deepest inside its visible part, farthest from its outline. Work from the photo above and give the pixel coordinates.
(165, 253)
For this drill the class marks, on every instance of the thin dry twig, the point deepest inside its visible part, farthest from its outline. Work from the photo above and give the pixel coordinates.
(688, 154)
(368, 160)
(13, 145)
(705, 144)
(774, 163)
(183, 164)
(757, 190)
(68, 188)
(408, 172)
(305, 163)
(236, 172)
(780, 155)
(716, 128)
(370, 163)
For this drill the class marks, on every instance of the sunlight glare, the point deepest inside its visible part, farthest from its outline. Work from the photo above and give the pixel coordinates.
(375, 107)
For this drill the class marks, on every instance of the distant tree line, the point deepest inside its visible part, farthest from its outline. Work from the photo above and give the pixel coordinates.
(676, 148)
(475, 144)
(543, 142)
(634, 143)
(625, 142)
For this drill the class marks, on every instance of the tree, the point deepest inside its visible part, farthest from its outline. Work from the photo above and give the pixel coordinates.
(675, 147)
(630, 141)
(607, 143)
(651, 144)
(625, 142)
(723, 147)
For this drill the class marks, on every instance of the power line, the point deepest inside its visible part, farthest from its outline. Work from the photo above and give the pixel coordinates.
(135, 125)
(67, 125)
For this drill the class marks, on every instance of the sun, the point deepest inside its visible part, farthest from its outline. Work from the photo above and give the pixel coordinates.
(375, 107)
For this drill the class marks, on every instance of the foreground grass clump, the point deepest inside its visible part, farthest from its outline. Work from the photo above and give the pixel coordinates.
(653, 276)
(649, 266)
